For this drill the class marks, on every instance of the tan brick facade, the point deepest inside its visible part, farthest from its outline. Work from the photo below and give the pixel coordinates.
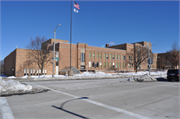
(104, 59)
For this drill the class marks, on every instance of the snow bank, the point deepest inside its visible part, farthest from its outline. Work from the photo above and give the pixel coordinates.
(11, 77)
(144, 78)
(97, 75)
(13, 86)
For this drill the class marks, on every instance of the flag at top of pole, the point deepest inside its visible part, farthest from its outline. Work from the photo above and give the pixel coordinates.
(76, 6)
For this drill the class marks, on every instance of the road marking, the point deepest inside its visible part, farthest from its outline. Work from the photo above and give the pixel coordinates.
(100, 104)
(5, 109)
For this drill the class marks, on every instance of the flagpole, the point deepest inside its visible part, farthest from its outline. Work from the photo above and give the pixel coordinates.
(70, 34)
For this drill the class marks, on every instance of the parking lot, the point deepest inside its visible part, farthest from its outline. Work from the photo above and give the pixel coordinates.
(98, 99)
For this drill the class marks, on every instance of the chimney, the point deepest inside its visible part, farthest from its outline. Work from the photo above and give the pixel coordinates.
(107, 45)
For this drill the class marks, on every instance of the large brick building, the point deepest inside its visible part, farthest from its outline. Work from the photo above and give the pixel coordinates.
(84, 57)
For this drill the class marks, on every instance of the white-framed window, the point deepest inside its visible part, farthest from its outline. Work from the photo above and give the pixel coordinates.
(45, 71)
(27, 72)
(24, 72)
(37, 72)
(33, 71)
(82, 57)
(89, 63)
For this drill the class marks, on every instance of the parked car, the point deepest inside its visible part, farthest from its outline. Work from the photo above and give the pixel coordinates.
(173, 74)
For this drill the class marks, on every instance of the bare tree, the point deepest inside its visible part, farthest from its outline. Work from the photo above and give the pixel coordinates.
(138, 55)
(173, 55)
(37, 55)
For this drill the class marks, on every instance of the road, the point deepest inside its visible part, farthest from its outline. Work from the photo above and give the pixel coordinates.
(98, 99)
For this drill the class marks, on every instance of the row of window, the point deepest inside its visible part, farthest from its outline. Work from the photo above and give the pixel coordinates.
(111, 64)
(106, 56)
(112, 56)
(160, 62)
(34, 72)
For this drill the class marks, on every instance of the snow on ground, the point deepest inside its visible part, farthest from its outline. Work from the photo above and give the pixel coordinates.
(91, 75)
(13, 86)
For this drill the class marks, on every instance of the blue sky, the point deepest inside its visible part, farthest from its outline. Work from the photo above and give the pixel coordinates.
(97, 23)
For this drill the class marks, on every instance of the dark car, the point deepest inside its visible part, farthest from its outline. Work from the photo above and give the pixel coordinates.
(173, 74)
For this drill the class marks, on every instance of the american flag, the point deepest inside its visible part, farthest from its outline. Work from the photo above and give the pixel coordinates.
(76, 5)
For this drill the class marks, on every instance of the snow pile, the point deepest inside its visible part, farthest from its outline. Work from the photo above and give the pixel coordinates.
(11, 77)
(42, 76)
(143, 73)
(144, 78)
(13, 86)
(93, 75)
(97, 75)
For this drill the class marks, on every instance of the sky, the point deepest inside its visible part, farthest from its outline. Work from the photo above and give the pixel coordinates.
(96, 23)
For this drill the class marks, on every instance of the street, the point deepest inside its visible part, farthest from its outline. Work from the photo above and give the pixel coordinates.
(98, 99)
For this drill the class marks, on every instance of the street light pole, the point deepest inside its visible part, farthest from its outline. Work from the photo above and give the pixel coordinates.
(54, 48)
(149, 57)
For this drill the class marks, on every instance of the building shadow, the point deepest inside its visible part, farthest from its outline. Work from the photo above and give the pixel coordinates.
(62, 109)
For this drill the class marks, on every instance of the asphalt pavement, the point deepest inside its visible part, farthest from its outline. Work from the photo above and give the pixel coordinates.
(98, 99)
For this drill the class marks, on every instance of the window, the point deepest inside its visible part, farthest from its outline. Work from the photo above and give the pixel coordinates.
(107, 64)
(24, 72)
(89, 63)
(116, 57)
(97, 64)
(110, 64)
(104, 64)
(45, 71)
(89, 54)
(113, 56)
(93, 55)
(106, 56)
(100, 56)
(110, 56)
(124, 65)
(100, 65)
(57, 62)
(130, 65)
(92, 64)
(27, 72)
(119, 57)
(119, 65)
(130, 58)
(124, 57)
(116, 65)
(31, 71)
(97, 55)
(82, 58)
(37, 72)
